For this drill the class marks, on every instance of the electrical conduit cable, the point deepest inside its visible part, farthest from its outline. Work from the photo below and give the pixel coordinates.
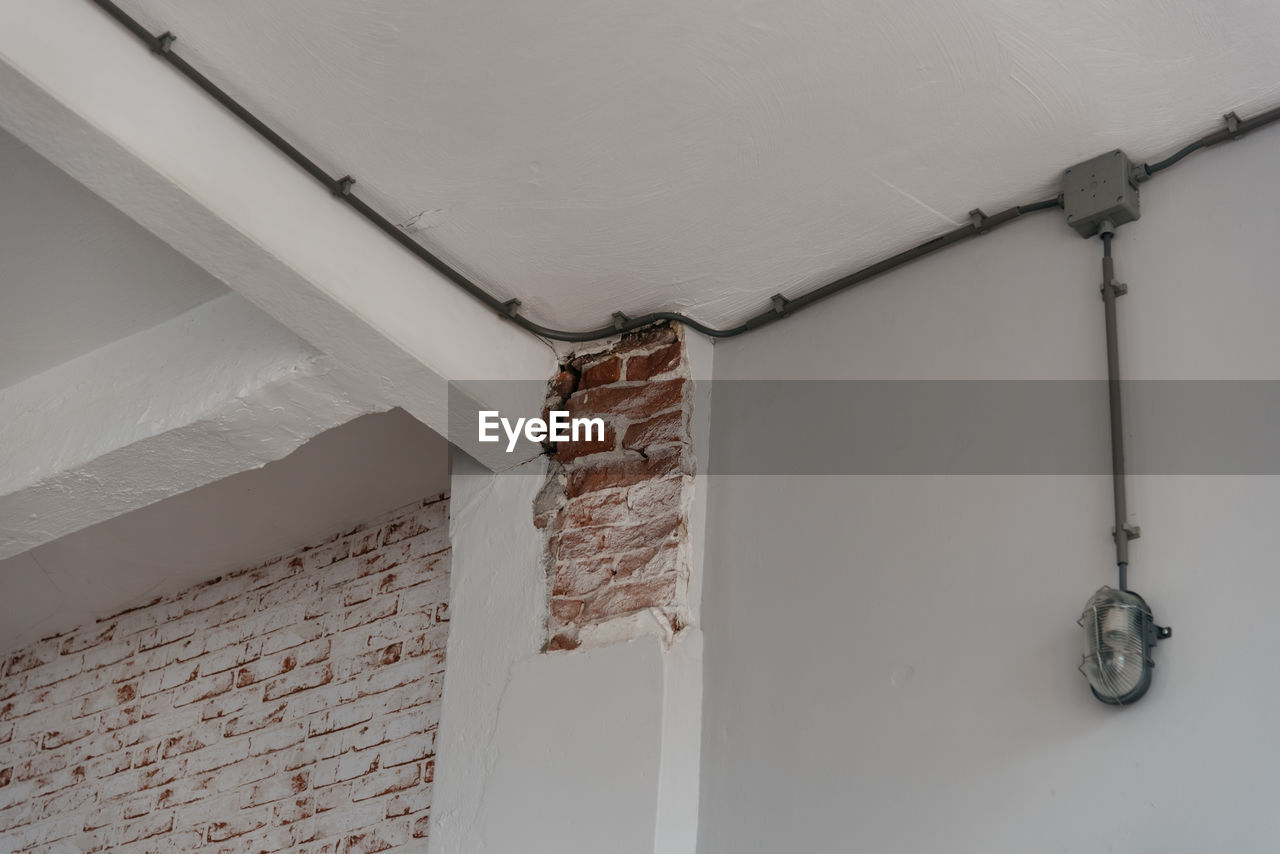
(162, 46)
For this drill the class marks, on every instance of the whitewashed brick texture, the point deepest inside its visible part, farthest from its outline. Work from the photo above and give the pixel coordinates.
(289, 707)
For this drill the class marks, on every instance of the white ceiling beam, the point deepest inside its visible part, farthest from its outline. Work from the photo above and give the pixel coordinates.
(80, 90)
(217, 390)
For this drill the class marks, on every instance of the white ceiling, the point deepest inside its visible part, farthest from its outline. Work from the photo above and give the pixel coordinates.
(75, 273)
(339, 479)
(589, 156)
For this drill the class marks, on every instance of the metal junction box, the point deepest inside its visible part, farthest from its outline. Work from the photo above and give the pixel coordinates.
(1100, 189)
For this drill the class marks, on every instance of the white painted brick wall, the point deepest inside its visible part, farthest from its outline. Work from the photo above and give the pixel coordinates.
(291, 707)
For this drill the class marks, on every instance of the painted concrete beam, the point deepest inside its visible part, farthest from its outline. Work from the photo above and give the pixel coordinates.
(217, 390)
(82, 92)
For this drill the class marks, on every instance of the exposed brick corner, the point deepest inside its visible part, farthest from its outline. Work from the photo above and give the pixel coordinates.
(615, 511)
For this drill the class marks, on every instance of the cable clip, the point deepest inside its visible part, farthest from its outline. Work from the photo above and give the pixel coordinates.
(164, 42)
(511, 308)
(1131, 532)
(780, 304)
(620, 320)
(978, 220)
(1233, 125)
(1117, 288)
(342, 187)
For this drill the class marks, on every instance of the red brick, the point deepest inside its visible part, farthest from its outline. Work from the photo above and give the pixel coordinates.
(566, 610)
(564, 384)
(645, 365)
(660, 430)
(563, 641)
(568, 451)
(642, 339)
(598, 372)
(620, 599)
(581, 576)
(611, 540)
(647, 562)
(631, 401)
(592, 476)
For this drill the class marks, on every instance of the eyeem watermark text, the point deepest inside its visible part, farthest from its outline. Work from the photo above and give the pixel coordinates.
(559, 427)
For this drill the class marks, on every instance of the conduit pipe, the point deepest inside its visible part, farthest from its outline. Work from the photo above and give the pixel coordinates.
(162, 46)
(1111, 290)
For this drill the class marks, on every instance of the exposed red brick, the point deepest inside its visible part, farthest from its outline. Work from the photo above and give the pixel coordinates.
(564, 384)
(617, 600)
(645, 562)
(645, 365)
(567, 451)
(563, 641)
(627, 401)
(566, 610)
(606, 474)
(613, 513)
(660, 430)
(649, 337)
(600, 372)
(611, 540)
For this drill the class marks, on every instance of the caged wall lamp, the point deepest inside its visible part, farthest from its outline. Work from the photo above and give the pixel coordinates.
(1120, 632)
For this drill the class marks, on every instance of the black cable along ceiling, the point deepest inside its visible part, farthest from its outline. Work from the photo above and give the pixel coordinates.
(979, 223)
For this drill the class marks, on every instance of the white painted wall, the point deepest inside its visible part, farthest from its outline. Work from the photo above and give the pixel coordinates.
(890, 661)
(564, 753)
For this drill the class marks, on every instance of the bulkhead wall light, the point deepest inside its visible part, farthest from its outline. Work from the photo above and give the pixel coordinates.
(1119, 636)
(1119, 631)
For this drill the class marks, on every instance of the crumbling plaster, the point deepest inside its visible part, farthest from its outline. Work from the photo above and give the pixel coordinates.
(217, 390)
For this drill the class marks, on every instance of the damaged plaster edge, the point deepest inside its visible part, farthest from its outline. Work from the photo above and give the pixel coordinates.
(498, 612)
(627, 627)
(260, 426)
(178, 372)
